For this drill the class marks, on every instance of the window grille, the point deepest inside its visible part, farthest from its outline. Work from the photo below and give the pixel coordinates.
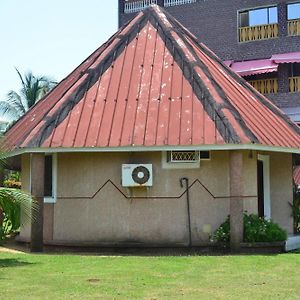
(177, 2)
(135, 6)
(183, 156)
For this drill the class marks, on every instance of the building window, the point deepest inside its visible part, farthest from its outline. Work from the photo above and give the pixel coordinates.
(183, 156)
(188, 159)
(293, 11)
(264, 83)
(294, 78)
(258, 24)
(48, 178)
(260, 16)
(294, 70)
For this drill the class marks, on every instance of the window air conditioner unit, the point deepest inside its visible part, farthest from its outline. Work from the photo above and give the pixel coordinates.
(136, 175)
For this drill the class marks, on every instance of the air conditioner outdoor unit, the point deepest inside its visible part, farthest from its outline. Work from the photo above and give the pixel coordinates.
(136, 175)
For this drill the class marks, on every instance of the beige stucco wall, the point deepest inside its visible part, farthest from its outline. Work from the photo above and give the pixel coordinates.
(281, 182)
(48, 208)
(109, 217)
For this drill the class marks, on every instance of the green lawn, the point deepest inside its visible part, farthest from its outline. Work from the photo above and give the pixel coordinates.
(24, 276)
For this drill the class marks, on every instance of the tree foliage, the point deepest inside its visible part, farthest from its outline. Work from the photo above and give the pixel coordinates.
(33, 88)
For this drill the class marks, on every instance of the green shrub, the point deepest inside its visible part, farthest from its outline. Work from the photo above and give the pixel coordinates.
(12, 180)
(11, 183)
(2, 235)
(256, 229)
(295, 206)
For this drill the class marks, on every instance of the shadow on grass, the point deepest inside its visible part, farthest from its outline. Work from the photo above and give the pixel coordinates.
(13, 262)
(148, 252)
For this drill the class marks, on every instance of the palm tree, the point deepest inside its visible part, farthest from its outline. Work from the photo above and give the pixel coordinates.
(33, 88)
(12, 201)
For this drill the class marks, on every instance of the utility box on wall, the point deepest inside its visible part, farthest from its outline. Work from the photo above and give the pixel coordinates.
(137, 175)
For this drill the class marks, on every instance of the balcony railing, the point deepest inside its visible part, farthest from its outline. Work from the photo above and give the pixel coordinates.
(294, 83)
(134, 6)
(294, 27)
(177, 2)
(265, 86)
(259, 32)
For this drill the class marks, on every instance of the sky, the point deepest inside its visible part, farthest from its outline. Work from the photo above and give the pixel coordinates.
(51, 37)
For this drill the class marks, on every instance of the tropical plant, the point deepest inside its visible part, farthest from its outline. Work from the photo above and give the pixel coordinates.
(256, 229)
(33, 88)
(12, 180)
(13, 201)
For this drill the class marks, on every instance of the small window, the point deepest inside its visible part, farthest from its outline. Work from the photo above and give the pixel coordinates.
(48, 179)
(183, 156)
(205, 155)
(294, 70)
(293, 11)
(261, 16)
(187, 156)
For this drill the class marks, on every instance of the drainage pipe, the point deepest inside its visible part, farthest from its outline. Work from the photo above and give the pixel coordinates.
(186, 180)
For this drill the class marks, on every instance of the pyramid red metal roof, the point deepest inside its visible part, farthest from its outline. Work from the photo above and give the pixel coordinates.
(152, 84)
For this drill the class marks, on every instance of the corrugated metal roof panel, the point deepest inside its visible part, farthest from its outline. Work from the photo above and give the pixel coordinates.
(152, 84)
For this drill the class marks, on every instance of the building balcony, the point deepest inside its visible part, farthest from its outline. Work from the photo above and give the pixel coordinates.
(177, 2)
(259, 32)
(132, 6)
(265, 86)
(294, 27)
(294, 84)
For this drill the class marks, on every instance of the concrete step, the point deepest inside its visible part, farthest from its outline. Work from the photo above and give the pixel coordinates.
(292, 243)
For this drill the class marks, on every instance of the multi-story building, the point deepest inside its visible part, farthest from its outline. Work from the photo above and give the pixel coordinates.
(259, 39)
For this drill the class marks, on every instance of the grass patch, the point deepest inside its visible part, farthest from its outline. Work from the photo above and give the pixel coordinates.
(135, 277)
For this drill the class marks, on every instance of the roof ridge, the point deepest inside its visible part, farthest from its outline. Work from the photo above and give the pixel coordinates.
(181, 30)
(91, 78)
(265, 101)
(208, 102)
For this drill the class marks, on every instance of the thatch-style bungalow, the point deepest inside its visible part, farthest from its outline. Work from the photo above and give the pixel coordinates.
(153, 141)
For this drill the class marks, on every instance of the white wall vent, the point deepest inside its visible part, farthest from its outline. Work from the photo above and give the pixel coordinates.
(136, 175)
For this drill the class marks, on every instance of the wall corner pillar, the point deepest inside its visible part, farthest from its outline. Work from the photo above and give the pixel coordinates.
(236, 199)
(37, 192)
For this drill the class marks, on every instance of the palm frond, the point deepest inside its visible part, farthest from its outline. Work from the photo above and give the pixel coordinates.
(9, 112)
(12, 201)
(15, 99)
(21, 77)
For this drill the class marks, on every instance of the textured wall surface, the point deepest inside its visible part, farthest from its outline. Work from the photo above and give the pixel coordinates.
(110, 218)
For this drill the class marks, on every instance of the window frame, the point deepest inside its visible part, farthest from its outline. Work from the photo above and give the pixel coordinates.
(183, 164)
(287, 11)
(53, 198)
(294, 70)
(253, 9)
